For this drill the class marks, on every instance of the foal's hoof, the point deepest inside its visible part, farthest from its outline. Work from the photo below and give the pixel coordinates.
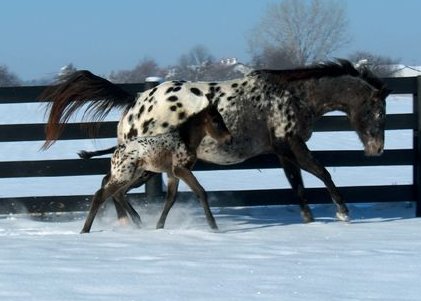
(123, 221)
(344, 217)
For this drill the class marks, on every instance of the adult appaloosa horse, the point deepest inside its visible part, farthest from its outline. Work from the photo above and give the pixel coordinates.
(267, 111)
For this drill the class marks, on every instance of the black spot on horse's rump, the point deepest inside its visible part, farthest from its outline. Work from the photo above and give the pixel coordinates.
(212, 84)
(178, 82)
(244, 83)
(196, 91)
(145, 125)
(234, 85)
(181, 115)
(173, 108)
(179, 104)
(222, 94)
(142, 108)
(170, 89)
(165, 124)
(132, 133)
(172, 98)
(229, 98)
(150, 108)
(153, 91)
(130, 118)
(176, 89)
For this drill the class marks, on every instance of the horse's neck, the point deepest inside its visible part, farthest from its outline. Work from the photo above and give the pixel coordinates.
(331, 94)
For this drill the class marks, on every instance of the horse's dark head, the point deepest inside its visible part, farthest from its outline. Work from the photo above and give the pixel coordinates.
(369, 121)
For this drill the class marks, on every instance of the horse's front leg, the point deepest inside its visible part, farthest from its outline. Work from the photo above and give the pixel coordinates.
(306, 161)
(293, 174)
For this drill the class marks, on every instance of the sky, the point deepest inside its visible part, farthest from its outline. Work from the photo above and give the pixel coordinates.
(39, 37)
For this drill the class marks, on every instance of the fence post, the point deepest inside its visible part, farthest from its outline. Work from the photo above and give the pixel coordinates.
(417, 148)
(153, 187)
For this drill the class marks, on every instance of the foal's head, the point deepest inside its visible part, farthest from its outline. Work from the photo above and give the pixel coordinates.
(210, 122)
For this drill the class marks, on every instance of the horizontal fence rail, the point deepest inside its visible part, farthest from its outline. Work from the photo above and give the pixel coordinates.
(77, 167)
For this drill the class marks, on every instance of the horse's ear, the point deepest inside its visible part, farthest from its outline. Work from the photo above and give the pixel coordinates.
(386, 92)
(383, 93)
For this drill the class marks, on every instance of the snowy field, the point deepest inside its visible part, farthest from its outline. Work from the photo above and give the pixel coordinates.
(260, 253)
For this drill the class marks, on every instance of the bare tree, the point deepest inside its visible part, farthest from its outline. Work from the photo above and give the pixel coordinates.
(7, 78)
(380, 65)
(193, 65)
(273, 58)
(306, 31)
(147, 67)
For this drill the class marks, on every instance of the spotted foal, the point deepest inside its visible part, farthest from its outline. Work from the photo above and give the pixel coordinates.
(173, 152)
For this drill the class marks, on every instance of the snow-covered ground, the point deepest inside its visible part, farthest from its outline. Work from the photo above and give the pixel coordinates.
(260, 253)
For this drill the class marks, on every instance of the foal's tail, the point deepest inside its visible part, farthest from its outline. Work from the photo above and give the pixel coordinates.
(79, 89)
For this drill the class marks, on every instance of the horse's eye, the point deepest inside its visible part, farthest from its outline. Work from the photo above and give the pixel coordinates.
(379, 115)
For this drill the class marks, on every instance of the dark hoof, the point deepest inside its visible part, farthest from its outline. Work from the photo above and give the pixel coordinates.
(307, 217)
(160, 226)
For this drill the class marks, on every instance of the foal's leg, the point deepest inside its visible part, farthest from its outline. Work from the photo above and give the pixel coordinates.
(169, 200)
(293, 174)
(121, 201)
(121, 212)
(306, 161)
(187, 176)
(99, 198)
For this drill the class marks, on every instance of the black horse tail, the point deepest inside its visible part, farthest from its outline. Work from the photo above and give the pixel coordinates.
(79, 89)
(88, 155)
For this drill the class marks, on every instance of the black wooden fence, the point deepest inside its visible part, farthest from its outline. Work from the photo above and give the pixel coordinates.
(73, 167)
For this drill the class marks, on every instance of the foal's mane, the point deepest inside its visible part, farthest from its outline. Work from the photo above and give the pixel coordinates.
(336, 68)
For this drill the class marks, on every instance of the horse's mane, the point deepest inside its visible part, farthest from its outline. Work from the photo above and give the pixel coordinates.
(336, 68)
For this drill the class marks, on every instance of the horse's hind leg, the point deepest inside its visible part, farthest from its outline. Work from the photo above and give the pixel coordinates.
(187, 176)
(293, 174)
(306, 161)
(169, 200)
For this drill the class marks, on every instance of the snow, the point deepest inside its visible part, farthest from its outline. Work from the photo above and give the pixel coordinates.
(260, 253)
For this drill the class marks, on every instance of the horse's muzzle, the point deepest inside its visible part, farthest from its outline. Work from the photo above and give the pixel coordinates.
(374, 148)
